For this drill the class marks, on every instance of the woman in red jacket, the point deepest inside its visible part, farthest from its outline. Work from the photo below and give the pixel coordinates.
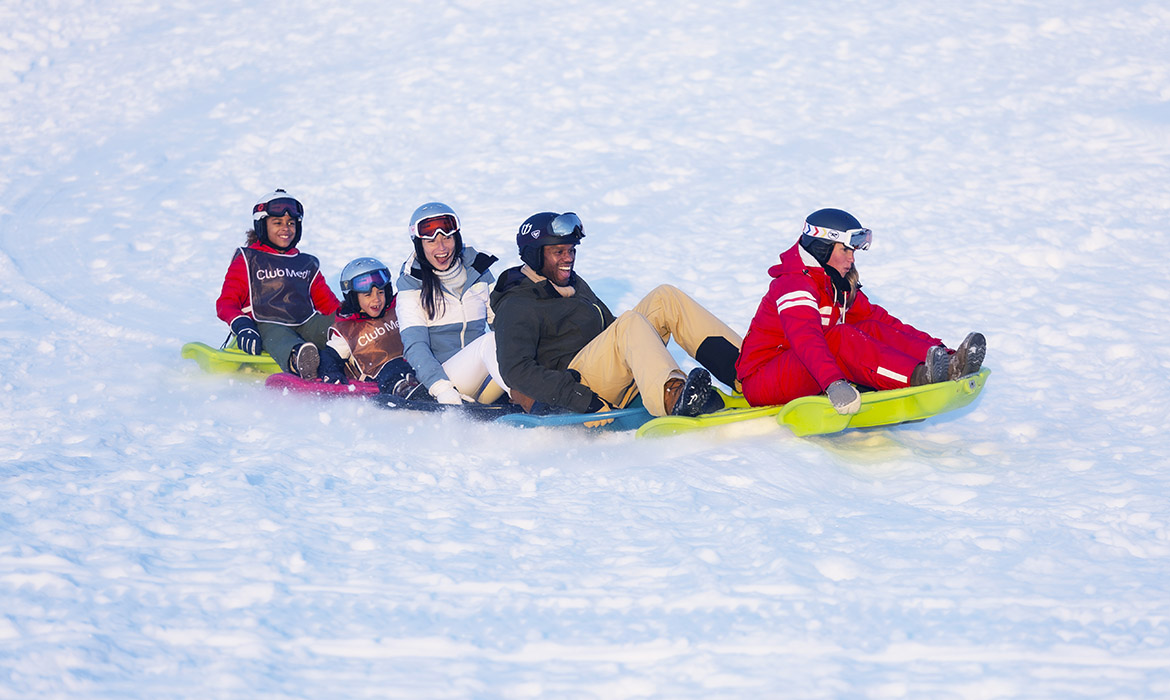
(274, 297)
(816, 332)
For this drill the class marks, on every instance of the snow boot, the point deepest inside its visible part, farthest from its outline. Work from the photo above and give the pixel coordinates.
(968, 358)
(331, 367)
(305, 360)
(694, 396)
(935, 369)
(397, 378)
(409, 387)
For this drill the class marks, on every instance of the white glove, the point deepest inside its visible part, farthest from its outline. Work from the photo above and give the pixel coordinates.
(446, 393)
(846, 399)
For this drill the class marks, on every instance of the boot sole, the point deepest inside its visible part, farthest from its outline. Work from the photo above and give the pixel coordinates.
(308, 360)
(969, 357)
(695, 394)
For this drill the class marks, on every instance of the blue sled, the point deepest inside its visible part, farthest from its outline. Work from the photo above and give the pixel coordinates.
(630, 418)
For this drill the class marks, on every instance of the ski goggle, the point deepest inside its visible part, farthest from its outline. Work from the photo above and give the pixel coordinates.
(855, 238)
(368, 280)
(430, 229)
(568, 224)
(281, 206)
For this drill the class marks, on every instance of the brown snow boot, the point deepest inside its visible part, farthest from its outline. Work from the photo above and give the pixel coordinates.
(934, 369)
(968, 357)
(305, 360)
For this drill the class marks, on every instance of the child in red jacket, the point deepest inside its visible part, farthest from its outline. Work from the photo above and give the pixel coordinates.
(274, 297)
(815, 330)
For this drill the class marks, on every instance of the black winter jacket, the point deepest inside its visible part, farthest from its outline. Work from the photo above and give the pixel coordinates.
(538, 332)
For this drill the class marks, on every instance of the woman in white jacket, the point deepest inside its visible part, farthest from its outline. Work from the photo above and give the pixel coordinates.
(443, 311)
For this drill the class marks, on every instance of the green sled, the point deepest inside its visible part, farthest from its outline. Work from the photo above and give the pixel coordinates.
(814, 415)
(229, 360)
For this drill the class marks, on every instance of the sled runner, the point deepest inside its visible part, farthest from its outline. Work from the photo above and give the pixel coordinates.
(814, 415)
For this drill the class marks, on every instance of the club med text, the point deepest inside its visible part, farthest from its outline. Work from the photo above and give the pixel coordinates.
(281, 272)
(373, 334)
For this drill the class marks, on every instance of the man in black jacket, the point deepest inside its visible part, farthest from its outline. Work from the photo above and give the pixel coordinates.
(558, 345)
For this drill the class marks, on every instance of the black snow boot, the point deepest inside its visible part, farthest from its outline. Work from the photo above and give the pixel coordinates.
(696, 396)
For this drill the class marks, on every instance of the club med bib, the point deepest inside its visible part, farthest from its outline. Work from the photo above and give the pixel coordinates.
(278, 286)
(373, 341)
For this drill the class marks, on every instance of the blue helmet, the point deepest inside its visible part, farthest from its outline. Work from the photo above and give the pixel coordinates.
(547, 228)
(362, 275)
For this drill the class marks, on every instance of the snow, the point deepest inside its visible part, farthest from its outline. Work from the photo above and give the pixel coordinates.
(170, 534)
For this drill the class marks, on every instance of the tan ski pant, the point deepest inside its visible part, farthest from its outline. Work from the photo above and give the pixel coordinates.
(631, 354)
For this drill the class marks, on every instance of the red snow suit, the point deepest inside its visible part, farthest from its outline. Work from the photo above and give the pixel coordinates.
(804, 337)
(235, 298)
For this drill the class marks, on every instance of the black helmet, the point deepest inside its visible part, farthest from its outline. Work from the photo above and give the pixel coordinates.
(824, 227)
(547, 228)
(276, 203)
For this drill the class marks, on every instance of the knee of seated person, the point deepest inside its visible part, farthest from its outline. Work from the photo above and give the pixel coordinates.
(844, 333)
(632, 318)
(666, 289)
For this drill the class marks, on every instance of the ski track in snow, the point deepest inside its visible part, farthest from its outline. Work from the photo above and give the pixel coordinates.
(169, 534)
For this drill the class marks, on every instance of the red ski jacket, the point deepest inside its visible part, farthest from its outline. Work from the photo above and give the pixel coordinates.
(795, 313)
(235, 298)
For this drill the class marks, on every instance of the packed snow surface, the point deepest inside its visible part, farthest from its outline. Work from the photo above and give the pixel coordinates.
(166, 533)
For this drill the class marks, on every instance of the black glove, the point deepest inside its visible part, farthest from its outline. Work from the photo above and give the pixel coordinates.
(247, 337)
(540, 408)
(597, 404)
(332, 367)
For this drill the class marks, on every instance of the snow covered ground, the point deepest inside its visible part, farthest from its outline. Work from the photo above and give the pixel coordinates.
(170, 534)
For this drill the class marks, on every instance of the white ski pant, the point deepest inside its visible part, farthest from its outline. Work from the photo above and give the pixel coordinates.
(471, 368)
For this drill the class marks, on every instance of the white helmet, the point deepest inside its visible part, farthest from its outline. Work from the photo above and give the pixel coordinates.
(276, 203)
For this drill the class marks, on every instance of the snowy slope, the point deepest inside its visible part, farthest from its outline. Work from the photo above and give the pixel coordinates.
(170, 534)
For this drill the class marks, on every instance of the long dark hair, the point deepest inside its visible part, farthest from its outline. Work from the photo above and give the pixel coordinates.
(431, 294)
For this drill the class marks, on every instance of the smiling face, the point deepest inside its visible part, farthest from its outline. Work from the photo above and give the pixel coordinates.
(558, 263)
(841, 259)
(372, 302)
(440, 251)
(281, 230)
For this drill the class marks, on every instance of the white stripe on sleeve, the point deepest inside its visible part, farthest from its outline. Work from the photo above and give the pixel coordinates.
(796, 299)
